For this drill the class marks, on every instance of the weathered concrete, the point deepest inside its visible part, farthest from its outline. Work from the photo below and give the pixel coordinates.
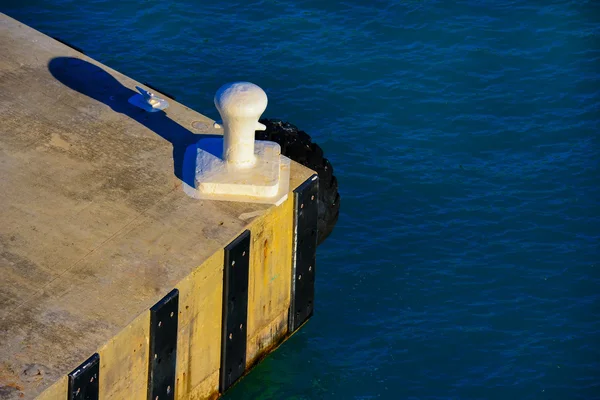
(95, 227)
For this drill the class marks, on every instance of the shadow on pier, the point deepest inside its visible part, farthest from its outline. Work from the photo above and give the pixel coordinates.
(95, 82)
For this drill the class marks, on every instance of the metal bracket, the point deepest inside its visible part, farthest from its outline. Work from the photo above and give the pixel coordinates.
(305, 252)
(235, 310)
(83, 381)
(163, 347)
(148, 101)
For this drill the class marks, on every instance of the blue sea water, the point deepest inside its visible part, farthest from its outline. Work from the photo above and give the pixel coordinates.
(465, 138)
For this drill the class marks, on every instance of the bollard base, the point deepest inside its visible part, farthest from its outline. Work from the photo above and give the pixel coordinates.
(266, 182)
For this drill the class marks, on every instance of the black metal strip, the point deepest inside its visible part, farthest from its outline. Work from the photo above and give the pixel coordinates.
(159, 91)
(83, 381)
(305, 252)
(235, 310)
(163, 347)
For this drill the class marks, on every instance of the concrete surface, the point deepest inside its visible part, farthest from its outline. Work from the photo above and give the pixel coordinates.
(94, 225)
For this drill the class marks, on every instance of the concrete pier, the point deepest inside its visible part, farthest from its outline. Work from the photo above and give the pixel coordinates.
(95, 231)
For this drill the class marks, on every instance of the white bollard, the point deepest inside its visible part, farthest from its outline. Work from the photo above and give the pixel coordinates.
(240, 105)
(245, 170)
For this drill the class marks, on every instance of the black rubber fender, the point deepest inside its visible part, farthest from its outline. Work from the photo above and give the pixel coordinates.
(298, 146)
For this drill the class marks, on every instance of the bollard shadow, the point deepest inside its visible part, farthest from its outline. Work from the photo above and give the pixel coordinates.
(96, 83)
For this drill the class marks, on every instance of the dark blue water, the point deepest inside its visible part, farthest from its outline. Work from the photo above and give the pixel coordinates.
(464, 135)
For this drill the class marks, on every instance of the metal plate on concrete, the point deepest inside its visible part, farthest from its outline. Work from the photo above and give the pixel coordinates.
(305, 252)
(163, 347)
(235, 310)
(83, 381)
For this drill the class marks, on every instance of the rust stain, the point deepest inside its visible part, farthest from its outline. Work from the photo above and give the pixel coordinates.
(214, 395)
(211, 396)
(8, 377)
(276, 341)
(265, 261)
(9, 390)
(13, 385)
(266, 250)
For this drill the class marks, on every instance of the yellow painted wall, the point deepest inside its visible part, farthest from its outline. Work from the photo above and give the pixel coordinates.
(199, 331)
(124, 362)
(269, 284)
(124, 359)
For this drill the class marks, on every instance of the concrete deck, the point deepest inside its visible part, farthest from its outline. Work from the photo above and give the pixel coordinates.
(94, 225)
